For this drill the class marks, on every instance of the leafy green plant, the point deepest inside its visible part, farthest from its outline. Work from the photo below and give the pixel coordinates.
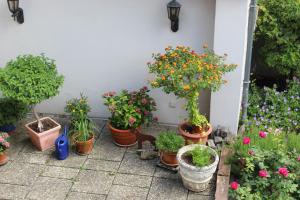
(183, 72)
(278, 35)
(77, 107)
(11, 111)
(169, 141)
(30, 79)
(201, 157)
(83, 129)
(265, 165)
(4, 144)
(269, 108)
(123, 114)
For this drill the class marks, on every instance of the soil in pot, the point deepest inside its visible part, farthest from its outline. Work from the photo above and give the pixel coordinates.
(47, 123)
(194, 134)
(169, 159)
(3, 158)
(84, 147)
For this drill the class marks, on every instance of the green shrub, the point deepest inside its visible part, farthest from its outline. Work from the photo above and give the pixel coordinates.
(278, 35)
(169, 141)
(201, 157)
(83, 129)
(77, 107)
(269, 108)
(11, 111)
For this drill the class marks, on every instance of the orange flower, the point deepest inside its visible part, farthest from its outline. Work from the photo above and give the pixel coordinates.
(163, 78)
(186, 87)
(184, 66)
(167, 66)
(172, 71)
(174, 63)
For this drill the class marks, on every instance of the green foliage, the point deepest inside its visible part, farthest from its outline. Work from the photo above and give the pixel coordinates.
(123, 115)
(4, 144)
(30, 79)
(78, 107)
(83, 129)
(278, 35)
(184, 72)
(169, 141)
(269, 108)
(267, 152)
(201, 157)
(11, 111)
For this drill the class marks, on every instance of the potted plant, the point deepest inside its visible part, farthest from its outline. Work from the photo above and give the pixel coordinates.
(197, 164)
(129, 110)
(11, 111)
(185, 73)
(4, 145)
(83, 135)
(30, 80)
(168, 143)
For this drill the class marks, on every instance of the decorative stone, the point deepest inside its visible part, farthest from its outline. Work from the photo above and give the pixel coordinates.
(218, 139)
(211, 143)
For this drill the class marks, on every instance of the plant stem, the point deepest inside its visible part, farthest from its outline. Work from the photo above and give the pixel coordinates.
(193, 109)
(40, 124)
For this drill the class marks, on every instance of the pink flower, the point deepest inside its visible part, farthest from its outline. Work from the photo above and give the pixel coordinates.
(299, 158)
(251, 152)
(6, 144)
(138, 110)
(283, 171)
(1, 139)
(145, 88)
(263, 173)
(234, 185)
(156, 119)
(5, 135)
(131, 120)
(246, 140)
(146, 112)
(144, 101)
(262, 134)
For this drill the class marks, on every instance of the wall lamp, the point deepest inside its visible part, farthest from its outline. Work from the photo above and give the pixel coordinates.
(17, 13)
(173, 14)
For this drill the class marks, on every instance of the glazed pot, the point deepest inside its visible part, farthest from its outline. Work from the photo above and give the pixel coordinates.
(169, 158)
(84, 147)
(44, 140)
(8, 128)
(123, 138)
(3, 158)
(196, 178)
(193, 135)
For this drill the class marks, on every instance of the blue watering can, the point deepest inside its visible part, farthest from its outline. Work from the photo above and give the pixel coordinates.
(62, 145)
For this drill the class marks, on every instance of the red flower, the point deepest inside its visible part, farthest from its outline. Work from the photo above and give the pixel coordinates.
(246, 140)
(262, 134)
(283, 171)
(251, 152)
(131, 120)
(263, 173)
(156, 119)
(146, 112)
(234, 185)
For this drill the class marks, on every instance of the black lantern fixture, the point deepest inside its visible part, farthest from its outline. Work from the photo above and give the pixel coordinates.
(17, 13)
(173, 14)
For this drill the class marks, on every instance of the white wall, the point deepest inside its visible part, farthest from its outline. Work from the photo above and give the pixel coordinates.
(230, 37)
(104, 45)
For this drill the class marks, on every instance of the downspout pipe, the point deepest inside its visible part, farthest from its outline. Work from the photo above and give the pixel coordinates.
(253, 10)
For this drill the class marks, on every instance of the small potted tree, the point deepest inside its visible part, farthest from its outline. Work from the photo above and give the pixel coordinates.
(4, 145)
(129, 110)
(197, 164)
(32, 79)
(11, 111)
(185, 73)
(168, 143)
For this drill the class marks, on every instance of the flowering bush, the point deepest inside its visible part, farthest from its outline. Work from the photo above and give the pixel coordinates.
(267, 166)
(280, 110)
(184, 72)
(78, 108)
(4, 144)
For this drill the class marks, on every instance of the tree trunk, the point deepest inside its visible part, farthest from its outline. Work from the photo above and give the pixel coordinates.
(40, 124)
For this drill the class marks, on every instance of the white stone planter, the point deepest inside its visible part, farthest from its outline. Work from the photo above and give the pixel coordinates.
(195, 178)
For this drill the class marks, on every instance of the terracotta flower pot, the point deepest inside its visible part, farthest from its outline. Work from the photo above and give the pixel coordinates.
(46, 139)
(192, 135)
(169, 158)
(123, 138)
(84, 147)
(3, 158)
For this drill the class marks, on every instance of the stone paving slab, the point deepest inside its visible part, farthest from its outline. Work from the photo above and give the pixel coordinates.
(118, 192)
(96, 182)
(85, 196)
(8, 191)
(102, 165)
(133, 180)
(60, 172)
(73, 161)
(194, 196)
(33, 158)
(47, 188)
(107, 151)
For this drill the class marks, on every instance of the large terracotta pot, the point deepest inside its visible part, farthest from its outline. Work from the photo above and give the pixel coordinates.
(3, 158)
(169, 158)
(193, 135)
(123, 138)
(46, 139)
(84, 147)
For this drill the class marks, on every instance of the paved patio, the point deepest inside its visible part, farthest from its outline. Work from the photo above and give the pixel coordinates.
(109, 172)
